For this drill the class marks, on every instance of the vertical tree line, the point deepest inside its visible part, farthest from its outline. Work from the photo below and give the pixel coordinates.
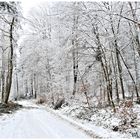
(10, 21)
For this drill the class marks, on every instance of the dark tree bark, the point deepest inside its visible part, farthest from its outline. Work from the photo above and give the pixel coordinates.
(2, 80)
(10, 65)
(31, 84)
(135, 86)
(118, 57)
(105, 68)
(75, 53)
(116, 79)
(35, 86)
(75, 68)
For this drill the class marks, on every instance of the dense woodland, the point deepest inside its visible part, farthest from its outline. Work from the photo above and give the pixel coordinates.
(86, 52)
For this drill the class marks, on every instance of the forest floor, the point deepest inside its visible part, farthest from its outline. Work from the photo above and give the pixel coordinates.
(34, 121)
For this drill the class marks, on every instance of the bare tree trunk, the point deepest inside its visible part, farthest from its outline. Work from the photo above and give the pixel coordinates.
(118, 60)
(137, 94)
(0, 82)
(26, 88)
(75, 54)
(116, 80)
(108, 94)
(135, 27)
(100, 59)
(105, 67)
(75, 69)
(10, 65)
(109, 8)
(120, 72)
(3, 81)
(31, 79)
(17, 85)
(35, 86)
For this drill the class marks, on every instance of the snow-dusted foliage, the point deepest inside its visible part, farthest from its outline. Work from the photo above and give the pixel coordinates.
(88, 49)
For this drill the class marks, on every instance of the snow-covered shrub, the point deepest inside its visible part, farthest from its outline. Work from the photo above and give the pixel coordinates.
(41, 99)
(134, 132)
(127, 115)
(84, 113)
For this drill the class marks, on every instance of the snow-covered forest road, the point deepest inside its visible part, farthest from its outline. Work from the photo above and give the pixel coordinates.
(35, 122)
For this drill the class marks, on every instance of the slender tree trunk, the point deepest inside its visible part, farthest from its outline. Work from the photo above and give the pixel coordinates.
(35, 88)
(119, 70)
(135, 27)
(10, 65)
(3, 82)
(75, 54)
(0, 81)
(118, 60)
(108, 96)
(116, 79)
(26, 88)
(31, 86)
(17, 85)
(105, 67)
(135, 86)
(117, 53)
(75, 69)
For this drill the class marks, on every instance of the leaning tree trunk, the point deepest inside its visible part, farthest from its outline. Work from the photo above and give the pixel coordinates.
(10, 65)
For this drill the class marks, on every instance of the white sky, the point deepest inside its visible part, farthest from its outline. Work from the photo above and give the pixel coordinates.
(28, 4)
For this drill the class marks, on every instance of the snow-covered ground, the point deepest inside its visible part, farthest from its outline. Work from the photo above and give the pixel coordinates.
(35, 122)
(90, 128)
(101, 121)
(40, 121)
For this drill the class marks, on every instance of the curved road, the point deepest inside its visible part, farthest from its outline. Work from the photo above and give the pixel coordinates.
(36, 122)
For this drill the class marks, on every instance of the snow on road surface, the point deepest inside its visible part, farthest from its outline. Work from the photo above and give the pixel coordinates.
(36, 122)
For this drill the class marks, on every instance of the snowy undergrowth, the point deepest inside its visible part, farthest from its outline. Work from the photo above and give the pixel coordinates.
(125, 122)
